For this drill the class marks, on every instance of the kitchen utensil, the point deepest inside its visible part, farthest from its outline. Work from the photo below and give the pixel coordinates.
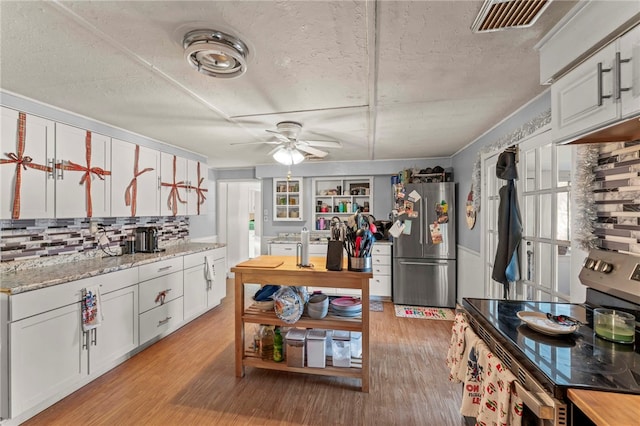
(563, 319)
(539, 322)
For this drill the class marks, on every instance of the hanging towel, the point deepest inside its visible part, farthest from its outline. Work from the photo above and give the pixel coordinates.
(456, 348)
(472, 385)
(91, 308)
(499, 405)
(505, 267)
(209, 271)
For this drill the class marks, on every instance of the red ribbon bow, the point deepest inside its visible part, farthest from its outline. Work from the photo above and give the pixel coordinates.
(174, 195)
(22, 162)
(131, 192)
(200, 191)
(88, 170)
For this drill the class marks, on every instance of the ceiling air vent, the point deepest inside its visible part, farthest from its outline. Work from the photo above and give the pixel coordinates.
(496, 15)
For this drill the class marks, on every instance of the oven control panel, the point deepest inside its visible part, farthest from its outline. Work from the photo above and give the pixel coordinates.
(598, 265)
(612, 273)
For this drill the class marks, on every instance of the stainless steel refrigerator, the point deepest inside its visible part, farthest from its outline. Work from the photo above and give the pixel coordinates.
(424, 256)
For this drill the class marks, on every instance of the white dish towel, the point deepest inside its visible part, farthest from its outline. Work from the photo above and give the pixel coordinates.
(91, 308)
(209, 271)
(456, 349)
(499, 405)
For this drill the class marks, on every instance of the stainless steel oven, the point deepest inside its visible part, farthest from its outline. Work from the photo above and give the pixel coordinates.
(547, 366)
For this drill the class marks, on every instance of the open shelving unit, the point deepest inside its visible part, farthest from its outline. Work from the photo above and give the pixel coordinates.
(340, 196)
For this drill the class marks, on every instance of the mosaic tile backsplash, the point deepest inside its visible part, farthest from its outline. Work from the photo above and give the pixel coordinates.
(41, 239)
(617, 197)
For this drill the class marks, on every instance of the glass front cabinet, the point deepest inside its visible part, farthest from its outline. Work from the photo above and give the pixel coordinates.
(287, 199)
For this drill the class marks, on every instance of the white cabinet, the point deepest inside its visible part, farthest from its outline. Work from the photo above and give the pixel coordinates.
(160, 304)
(277, 249)
(629, 66)
(173, 194)
(287, 199)
(83, 169)
(27, 154)
(380, 284)
(197, 182)
(598, 92)
(135, 179)
(340, 196)
(118, 333)
(47, 356)
(204, 281)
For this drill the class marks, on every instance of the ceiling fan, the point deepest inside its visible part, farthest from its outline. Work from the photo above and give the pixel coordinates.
(290, 149)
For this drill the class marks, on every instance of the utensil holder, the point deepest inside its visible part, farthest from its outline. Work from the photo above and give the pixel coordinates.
(360, 264)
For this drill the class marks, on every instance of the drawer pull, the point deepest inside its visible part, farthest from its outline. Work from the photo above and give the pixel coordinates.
(164, 321)
(165, 268)
(162, 295)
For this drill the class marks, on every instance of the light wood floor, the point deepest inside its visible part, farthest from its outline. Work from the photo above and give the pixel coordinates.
(188, 379)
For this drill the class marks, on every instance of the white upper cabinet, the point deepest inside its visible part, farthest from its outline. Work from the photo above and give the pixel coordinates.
(601, 91)
(26, 173)
(135, 180)
(197, 181)
(173, 194)
(83, 170)
(628, 62)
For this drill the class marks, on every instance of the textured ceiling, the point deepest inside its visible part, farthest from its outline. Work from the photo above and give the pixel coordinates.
(389, 79)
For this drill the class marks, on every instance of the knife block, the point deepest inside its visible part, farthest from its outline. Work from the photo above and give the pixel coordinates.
(334, 256)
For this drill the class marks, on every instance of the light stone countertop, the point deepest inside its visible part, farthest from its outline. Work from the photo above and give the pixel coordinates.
(14, 282)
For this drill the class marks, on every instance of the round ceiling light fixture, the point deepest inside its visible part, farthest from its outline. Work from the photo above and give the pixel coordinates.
(215, 53)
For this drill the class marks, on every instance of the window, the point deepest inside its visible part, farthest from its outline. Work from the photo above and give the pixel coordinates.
(544, 185)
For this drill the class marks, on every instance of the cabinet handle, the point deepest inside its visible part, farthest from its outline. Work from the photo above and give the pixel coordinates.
(94, 333)
(288, 248)
(51, 163)
(619, 88)
(164, 321)
(60, 166)
(161, 296)
(164, 268)
(85, 338)
(600, 95)
(159, 183)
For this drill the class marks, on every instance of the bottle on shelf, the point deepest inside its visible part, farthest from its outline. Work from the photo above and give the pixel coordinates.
(277, 346)
(266, 342)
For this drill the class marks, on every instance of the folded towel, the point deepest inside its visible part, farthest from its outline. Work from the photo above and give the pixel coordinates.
(91, 308)
(209, 271)
(472, 386)
(499, 405)
(456, 348)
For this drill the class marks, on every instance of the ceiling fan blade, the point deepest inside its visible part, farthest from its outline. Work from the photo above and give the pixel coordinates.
(306, 148)
(279, 135)
(254, 143)
(325, 144)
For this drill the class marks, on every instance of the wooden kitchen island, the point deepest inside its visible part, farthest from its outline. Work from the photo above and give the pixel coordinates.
(262, 271)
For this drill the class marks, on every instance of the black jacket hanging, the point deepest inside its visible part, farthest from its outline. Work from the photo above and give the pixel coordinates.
(506, 267)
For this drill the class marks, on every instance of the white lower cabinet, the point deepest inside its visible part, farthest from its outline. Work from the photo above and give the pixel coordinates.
(118, 333)
(46, 357)
(204, 282)
(380, 284)
(161, 319)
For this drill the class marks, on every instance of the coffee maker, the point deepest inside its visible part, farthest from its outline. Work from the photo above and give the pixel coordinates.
(146, 239)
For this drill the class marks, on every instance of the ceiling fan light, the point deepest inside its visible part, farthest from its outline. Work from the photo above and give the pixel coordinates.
(215, 54)
(288, 156)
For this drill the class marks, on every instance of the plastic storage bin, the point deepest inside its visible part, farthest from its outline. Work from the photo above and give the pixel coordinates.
(295, 347)
(341, 348)
(316, 355)
(356, 344)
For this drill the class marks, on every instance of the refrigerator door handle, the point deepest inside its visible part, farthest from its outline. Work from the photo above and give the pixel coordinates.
(424, 213)
(424, 263)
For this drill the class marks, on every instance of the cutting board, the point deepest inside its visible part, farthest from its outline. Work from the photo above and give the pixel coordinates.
(261, 262)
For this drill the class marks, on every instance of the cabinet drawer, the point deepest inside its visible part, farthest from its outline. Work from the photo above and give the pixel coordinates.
(381, 249)
(34, 302)
(380, 260)
(197, 259)
(380, 286)
(282, 249)
(151, 290)
(160, 319)
(317, 250)
(157, 269)
(381, 269)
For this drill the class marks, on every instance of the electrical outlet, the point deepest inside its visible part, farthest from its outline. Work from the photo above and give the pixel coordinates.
(93, 227)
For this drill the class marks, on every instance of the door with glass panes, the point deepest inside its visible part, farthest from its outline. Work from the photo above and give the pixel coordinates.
(543, 187)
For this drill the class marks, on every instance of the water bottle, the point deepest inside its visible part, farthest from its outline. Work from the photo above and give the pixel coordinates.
(277, 346)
